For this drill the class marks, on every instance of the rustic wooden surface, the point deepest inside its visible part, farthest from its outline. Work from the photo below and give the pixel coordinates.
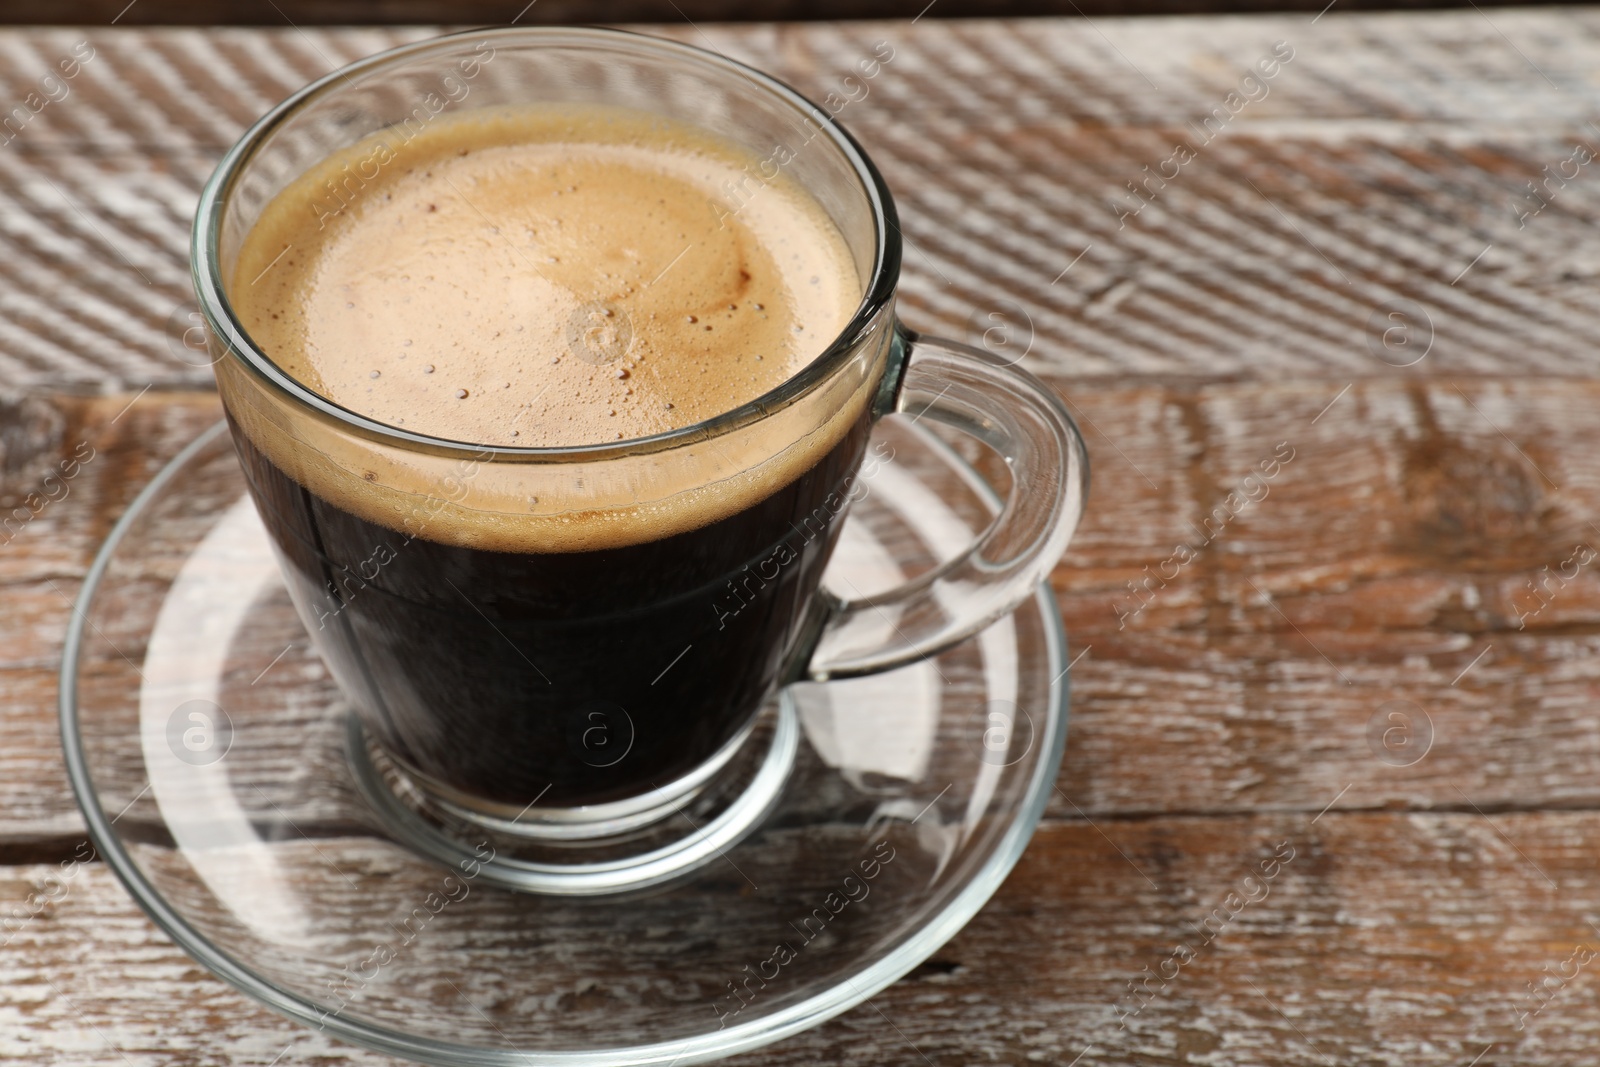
(1238, 315)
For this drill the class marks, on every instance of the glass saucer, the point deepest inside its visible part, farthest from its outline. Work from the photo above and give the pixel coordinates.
(212, 757)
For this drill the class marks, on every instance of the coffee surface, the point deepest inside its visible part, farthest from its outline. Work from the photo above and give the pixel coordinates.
(542, 277)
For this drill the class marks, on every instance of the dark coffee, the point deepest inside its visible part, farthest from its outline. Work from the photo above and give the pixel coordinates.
(574, 678)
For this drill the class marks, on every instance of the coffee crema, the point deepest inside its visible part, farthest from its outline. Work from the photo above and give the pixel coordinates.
(445, 237)
(541, 277)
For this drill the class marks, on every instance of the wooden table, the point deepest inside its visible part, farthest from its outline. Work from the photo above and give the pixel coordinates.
(1382, 658)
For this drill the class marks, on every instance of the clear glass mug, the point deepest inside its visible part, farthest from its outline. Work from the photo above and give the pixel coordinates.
(545, 693)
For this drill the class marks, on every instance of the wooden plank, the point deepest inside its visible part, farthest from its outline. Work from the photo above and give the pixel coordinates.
(1011, 148)
(1385, 939)
(68, 468)
(1382, 569)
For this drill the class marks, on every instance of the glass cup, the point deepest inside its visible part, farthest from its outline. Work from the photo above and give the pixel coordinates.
(573, 695)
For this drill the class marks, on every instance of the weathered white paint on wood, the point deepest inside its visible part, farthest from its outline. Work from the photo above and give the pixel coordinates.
(1384, 157)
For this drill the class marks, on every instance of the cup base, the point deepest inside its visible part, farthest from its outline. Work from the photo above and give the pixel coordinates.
(584, 825)
(613, 848)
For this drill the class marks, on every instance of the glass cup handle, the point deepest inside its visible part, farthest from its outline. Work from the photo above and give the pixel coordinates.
(1019, 417)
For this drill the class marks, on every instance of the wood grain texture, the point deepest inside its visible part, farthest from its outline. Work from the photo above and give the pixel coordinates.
(1384, 939)
(1406, 554)
(1384, 157)
(1363, 575)
(1199, 737)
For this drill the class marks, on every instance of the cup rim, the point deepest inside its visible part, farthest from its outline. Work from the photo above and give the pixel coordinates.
(224, 325)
